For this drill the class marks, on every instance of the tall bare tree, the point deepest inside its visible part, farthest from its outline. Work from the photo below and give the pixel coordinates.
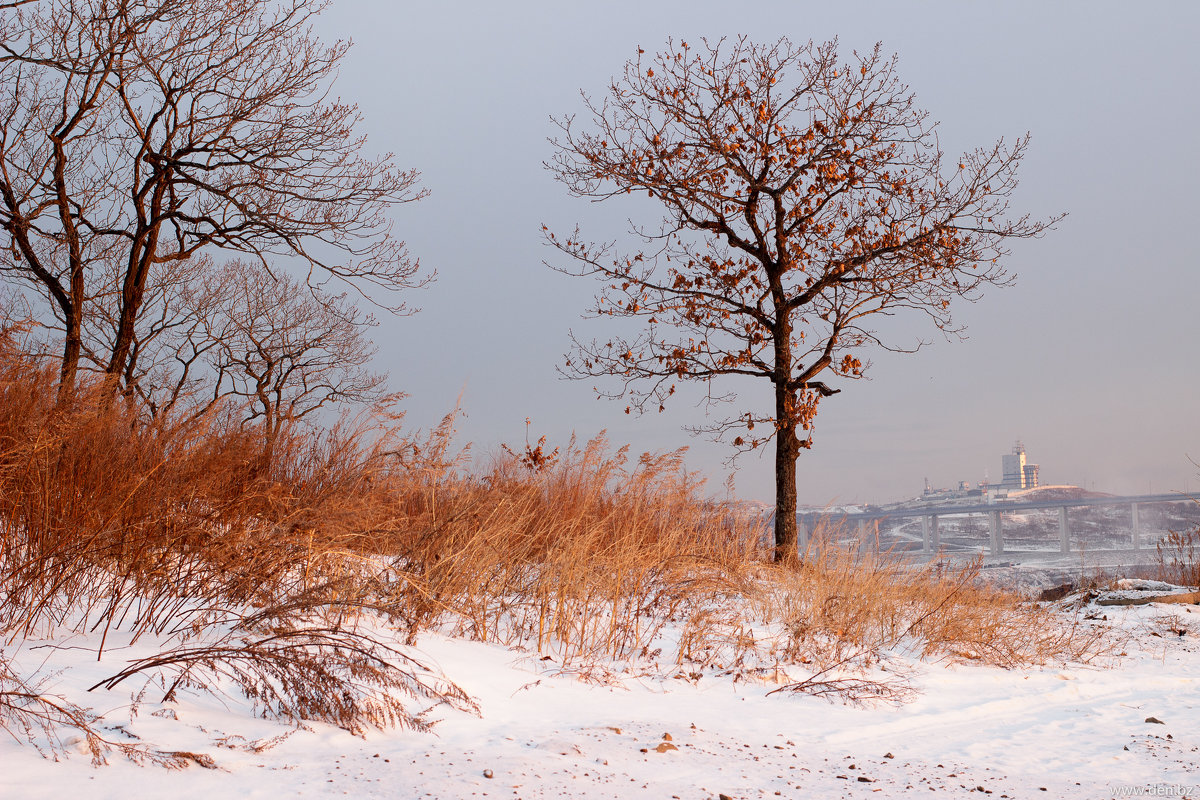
(282, 348)
(54, 82)
(209, 332)
(143, 132)
(803, 197)
(171, 355)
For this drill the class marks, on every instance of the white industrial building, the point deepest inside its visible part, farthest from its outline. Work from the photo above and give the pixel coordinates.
(1018, 474)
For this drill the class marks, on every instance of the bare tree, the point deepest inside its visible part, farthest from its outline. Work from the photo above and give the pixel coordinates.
(803, 197)
(284, 349)
(52, 108)
(144, 132)
(170, 358)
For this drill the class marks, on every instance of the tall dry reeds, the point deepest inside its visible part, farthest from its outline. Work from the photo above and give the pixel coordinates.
(245, 567)
(1178, 557)
(585, 558)
(275, 572)
(588, 557)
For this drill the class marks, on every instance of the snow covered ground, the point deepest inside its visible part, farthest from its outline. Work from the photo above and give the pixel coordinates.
(543, 732)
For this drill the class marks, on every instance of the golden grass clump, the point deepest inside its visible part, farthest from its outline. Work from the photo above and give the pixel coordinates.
(289, 572)
(1178, 556)
(244, 568)
(585, 558)
(588, 558)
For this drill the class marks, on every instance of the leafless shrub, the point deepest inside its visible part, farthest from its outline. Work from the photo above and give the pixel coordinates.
(55, 726)
(855, 690)
(1178, 556)
(296, 669)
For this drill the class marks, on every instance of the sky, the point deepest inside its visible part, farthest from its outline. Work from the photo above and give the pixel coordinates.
(1090, 359)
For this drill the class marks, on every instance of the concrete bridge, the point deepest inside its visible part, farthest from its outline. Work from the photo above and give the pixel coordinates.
(868, 521)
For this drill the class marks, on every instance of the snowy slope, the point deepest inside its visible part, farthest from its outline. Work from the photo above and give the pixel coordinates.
(1073, 732)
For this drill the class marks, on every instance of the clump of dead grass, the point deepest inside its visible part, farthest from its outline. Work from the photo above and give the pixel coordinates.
(53, 725)
(594, 557)
(258, 571)
(289, 573)
(586, 559)
(300, 668)
(1178, 556)
(845, 615)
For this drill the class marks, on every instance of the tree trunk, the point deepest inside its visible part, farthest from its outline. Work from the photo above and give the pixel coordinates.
(72, 307)
(787, 449)
(142, 256)
(72, 345)
(132, 294)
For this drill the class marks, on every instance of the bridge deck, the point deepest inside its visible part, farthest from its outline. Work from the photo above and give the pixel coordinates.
(1002, 506)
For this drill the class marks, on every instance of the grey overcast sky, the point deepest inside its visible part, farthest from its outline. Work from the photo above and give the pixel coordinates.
(1091, 359)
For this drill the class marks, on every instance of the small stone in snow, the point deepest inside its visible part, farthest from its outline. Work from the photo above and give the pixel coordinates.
(1155, 720)
(888, 755)
(487, 773)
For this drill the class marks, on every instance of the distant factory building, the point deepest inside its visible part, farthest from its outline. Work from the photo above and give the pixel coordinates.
(1019, 477)
(1031, 476)
(1017, 473)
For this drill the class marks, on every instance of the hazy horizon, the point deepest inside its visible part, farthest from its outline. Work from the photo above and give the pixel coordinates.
(1089, 359)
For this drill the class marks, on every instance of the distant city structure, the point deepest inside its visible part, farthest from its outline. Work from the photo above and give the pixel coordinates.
(1031, 476)
(1021, 481)
(1019, 476)
(1017, 473)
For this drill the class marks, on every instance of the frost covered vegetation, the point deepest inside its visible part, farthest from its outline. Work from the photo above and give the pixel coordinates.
(296, 574)
(187, 212)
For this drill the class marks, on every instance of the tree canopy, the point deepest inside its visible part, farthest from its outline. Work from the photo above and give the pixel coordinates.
(137, 133)
(802, 198)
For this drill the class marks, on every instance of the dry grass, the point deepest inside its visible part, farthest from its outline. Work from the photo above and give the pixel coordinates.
(594, 558)
(251, 571)
(53, 725)
(280, 576)
(846, 615)
(297, 668)
(1178, 557)
(587, 559)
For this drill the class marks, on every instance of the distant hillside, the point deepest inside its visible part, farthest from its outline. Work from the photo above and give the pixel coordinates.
(1059, 493)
